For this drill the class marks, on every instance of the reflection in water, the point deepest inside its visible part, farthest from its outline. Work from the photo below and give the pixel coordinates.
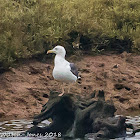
(15, 127)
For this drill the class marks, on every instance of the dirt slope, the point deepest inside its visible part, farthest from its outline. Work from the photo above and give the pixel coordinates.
(25, 89)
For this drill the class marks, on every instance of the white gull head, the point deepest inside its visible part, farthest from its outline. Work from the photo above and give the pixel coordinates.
(58, 50)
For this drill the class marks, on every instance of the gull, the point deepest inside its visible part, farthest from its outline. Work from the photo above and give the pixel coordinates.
(63, 71)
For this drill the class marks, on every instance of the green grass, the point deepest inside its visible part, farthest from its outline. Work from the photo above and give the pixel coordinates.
(30, 27)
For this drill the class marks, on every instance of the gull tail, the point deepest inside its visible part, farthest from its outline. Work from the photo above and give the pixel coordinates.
(79, 78)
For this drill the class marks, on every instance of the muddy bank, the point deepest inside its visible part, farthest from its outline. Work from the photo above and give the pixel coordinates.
(23, 90)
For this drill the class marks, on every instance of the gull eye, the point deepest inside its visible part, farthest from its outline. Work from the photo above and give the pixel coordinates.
(56, 48)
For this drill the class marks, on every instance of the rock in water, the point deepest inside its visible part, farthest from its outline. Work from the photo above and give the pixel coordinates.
(77, 117)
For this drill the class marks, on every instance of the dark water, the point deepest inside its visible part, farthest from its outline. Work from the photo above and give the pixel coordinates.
(13, 128)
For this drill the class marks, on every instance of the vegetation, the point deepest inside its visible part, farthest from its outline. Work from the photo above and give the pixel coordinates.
(29, 27)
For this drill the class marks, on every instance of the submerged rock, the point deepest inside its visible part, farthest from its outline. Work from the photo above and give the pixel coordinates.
(77, 117)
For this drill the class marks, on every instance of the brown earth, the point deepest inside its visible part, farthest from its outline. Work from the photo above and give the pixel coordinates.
(23, 90)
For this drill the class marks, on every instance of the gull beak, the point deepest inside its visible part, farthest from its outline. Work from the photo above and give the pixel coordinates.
(50, 51)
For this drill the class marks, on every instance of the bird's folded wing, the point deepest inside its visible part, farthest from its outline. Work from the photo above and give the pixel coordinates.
(74, 69)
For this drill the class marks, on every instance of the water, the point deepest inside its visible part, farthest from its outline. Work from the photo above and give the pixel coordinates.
(11, 130)
(15, 127)
(136, 121)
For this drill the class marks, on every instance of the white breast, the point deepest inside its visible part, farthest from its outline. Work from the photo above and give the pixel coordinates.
(62, 71)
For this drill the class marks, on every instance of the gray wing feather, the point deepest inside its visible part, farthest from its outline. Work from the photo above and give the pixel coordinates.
(74, 70)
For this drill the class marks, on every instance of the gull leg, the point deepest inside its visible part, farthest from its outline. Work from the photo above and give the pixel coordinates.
(62, 87)
(69, 87)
